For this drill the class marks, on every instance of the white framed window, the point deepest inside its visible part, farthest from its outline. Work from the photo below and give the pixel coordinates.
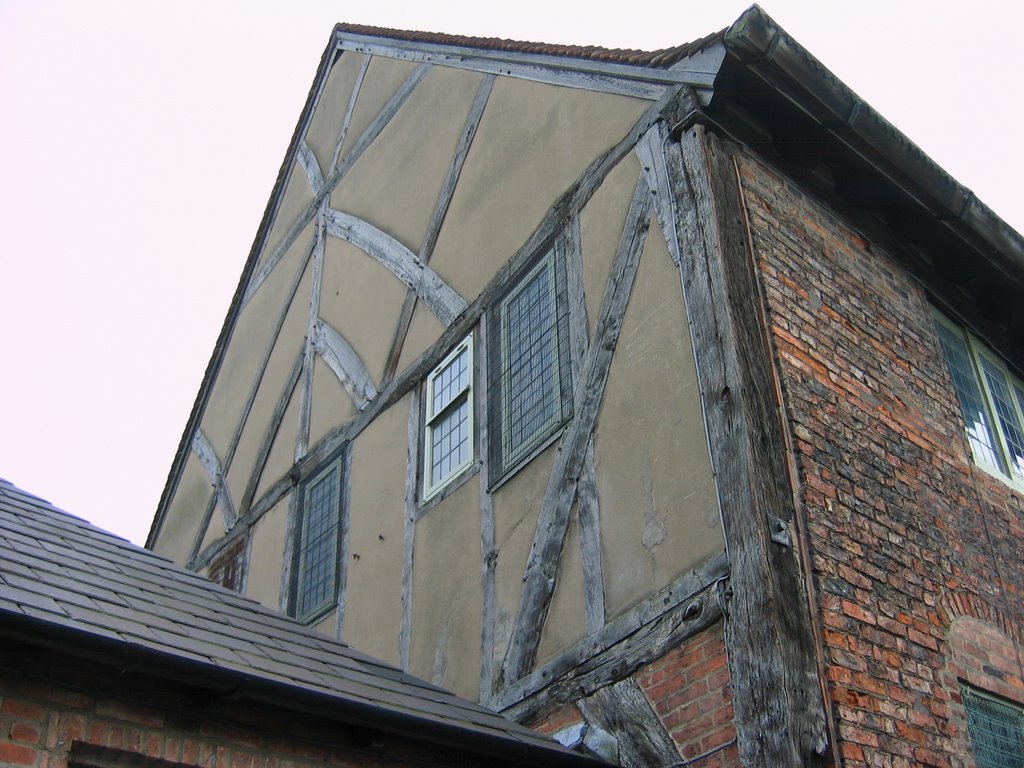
(996, 727)
(991, 401)
(318, 540)
(529, 366)
(448, 419)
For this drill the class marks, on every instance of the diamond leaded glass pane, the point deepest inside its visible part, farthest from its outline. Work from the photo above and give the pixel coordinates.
(318, 553)
(531, 347)
(996, 729)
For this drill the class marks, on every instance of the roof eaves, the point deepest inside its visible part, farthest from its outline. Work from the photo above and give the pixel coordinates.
(761, 45)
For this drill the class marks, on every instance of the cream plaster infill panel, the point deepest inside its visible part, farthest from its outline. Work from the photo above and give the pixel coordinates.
(331, 406)
(533, 142)
(566, 621)
(289, 345)
(361, 300)
(376, 528)
(266, 555)
(325, 125)
(601, 223)
(395, 184)
(659, 510)
(185, 512)
(250, 338)
(446, 594)
(296, 199)
(516, 506)
(383, 78)
(282, 451)
(424, 330)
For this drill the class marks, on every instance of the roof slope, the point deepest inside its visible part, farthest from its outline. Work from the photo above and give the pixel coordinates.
(61, 575)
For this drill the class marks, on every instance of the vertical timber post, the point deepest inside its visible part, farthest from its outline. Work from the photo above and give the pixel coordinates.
(779, 715)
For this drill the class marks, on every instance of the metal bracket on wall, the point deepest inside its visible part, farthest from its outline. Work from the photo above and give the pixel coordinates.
(778, 530)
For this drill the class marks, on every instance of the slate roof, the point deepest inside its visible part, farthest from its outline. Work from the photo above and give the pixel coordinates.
(659, 59)
(61, 577)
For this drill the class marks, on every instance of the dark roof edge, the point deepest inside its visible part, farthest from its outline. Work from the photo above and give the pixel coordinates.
(130, 658)
(756, 40)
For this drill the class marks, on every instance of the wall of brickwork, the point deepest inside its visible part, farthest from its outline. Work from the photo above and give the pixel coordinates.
(905, 535)
(689, 690)
(46, 708)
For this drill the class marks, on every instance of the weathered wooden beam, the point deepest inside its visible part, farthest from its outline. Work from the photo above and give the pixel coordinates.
(572, 201)
(344, 547)
(622, 709)
(349, 109)
(243, 507)
(345, 363)
(204, 526)
(412, 462)
(644, 633)
(208, 458)
(586, 489)
(440, 297)
(488, 539)
(444, 199)
(779, 716)
(362, 143)
(552, 525)
(308, 162)
(623, 80)
(306, 392)
(650, 151)
(263, 453)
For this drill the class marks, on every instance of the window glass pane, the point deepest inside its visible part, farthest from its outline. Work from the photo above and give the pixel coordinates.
(979, 432)
(318, 554)
(451, 381)
(531, 381)
(450, 442)
(996, 729)
(1007, 415)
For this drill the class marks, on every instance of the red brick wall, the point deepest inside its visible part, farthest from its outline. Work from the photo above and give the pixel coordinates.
(41, 719)
(689, 689)
(900, 524)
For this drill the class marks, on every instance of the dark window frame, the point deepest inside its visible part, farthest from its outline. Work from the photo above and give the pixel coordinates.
(995, 727)
(309, 602)
(528, 367)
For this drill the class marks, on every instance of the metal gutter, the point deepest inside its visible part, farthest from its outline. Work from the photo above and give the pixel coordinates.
(763, 47)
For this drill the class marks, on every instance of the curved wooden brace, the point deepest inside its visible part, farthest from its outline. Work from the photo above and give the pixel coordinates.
(440, 297)
(310, 167)
(343, 360)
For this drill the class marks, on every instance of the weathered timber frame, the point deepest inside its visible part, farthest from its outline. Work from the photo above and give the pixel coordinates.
(779, 715)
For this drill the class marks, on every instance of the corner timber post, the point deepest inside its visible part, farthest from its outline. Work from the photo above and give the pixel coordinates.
(779, 715)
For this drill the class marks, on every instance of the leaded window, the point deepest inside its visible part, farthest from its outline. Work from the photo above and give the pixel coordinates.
(991, 402)
(529, 365)
(996, 727)
(316, 559)
(448, 433)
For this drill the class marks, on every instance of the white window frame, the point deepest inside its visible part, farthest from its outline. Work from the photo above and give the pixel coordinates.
(1005, 469)
(432, 419)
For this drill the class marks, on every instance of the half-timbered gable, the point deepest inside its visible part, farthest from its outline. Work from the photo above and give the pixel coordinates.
(560, 377)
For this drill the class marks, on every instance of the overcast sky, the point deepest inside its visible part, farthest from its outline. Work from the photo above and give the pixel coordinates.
(139, 142)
